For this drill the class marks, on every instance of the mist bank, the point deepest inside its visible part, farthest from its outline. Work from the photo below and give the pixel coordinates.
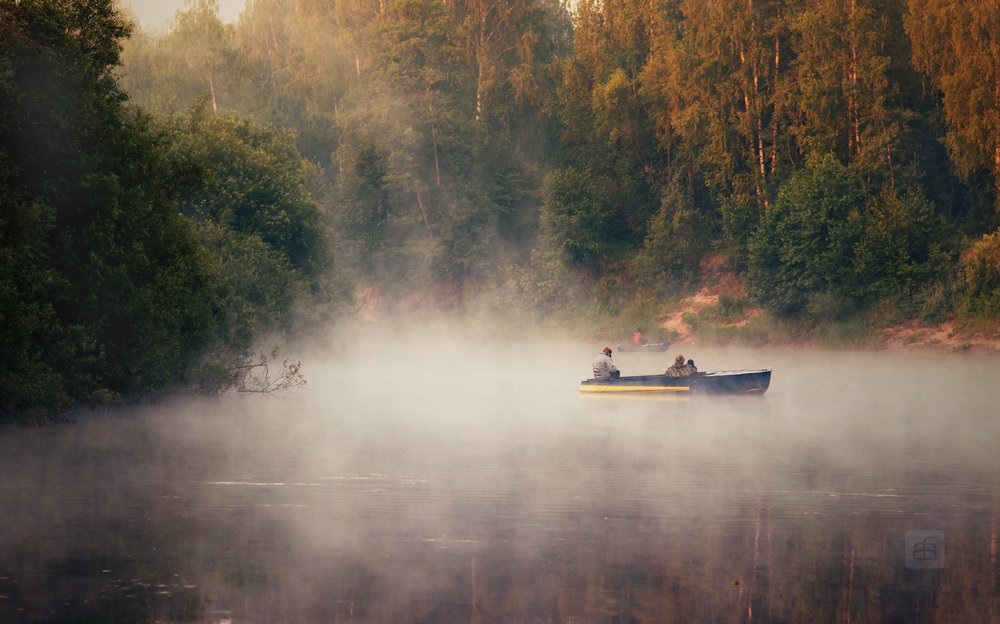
(433, 473)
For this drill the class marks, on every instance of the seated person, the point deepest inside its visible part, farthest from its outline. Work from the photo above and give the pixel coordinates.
(604, 367)
(638, 338)
(680, 369)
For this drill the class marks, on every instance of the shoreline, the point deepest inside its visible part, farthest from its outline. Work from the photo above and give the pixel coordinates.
(944, 337)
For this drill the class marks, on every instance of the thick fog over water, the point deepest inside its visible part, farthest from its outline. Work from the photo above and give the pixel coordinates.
(440, 476)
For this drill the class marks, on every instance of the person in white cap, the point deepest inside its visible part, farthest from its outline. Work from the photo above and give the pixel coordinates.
(604, 366)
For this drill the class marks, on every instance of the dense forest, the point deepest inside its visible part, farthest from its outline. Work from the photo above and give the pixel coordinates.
(169, 196)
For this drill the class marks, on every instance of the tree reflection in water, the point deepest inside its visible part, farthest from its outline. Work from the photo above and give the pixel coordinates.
(794, 508)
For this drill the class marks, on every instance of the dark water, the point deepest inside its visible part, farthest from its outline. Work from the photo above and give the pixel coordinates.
(455, 485)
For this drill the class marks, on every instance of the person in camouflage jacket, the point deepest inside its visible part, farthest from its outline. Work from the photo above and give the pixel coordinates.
(680, 369)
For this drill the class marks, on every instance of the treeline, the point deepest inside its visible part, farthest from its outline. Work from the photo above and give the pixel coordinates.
(137, 253)
(839, 154)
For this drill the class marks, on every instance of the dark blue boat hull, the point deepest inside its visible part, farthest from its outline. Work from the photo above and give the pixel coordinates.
(721, 382)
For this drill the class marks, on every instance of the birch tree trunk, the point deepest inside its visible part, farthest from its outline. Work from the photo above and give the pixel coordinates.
(434, 141)
(423, 212)
(750, 58)
(853, 105)
(777, 107)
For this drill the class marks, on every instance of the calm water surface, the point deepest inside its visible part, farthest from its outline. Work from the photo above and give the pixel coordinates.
(455, 485)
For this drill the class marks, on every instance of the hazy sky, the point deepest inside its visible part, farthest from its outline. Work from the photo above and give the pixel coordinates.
(155, 14)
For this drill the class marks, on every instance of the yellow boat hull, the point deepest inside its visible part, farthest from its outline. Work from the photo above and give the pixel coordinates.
(610, 389)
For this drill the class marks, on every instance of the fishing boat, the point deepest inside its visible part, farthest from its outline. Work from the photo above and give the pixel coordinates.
(718, 382)
(646, 346)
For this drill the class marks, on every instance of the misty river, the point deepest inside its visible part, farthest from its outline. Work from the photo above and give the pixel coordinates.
(452, 480)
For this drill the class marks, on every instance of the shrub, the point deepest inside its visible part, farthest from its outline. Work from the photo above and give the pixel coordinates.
(678, 237)
(827, 250)
(899, 250)
(575, 215)
(980, 267)
(803, 246)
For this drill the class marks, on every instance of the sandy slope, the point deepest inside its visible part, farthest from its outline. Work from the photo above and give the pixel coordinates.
(911, 335)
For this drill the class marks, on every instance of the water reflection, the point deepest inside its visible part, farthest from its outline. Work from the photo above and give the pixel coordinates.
(410, 497)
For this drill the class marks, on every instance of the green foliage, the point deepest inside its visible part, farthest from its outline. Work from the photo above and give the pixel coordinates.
(364, 202)
(900, 248)
(28, 376)
(108, 290)
(539, 289)
(197, 57)
(575, 215)
(449, 133)
(801, 254)
(432, 179)
(848, 83)
(740, 218)
(253, 181)
(957, 45)
(263, 237)
(678, 238)
(980, 267)
(827, 249)
(105, 286)
(731, 307)
(253, 283)
(607, 128)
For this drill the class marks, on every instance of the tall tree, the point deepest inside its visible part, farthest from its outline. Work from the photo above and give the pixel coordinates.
(104, 292)
(957, 44)
(253, 181)
(848, 83)
(720, 81)
(514, 47)
(196, 58)
(410, 121)
(607, 128)
(302, 57)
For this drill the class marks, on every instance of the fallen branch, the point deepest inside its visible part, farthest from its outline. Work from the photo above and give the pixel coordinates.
(290, 377)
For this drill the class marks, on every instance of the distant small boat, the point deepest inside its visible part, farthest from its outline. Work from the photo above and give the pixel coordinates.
(719, 382)
(649, 346)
